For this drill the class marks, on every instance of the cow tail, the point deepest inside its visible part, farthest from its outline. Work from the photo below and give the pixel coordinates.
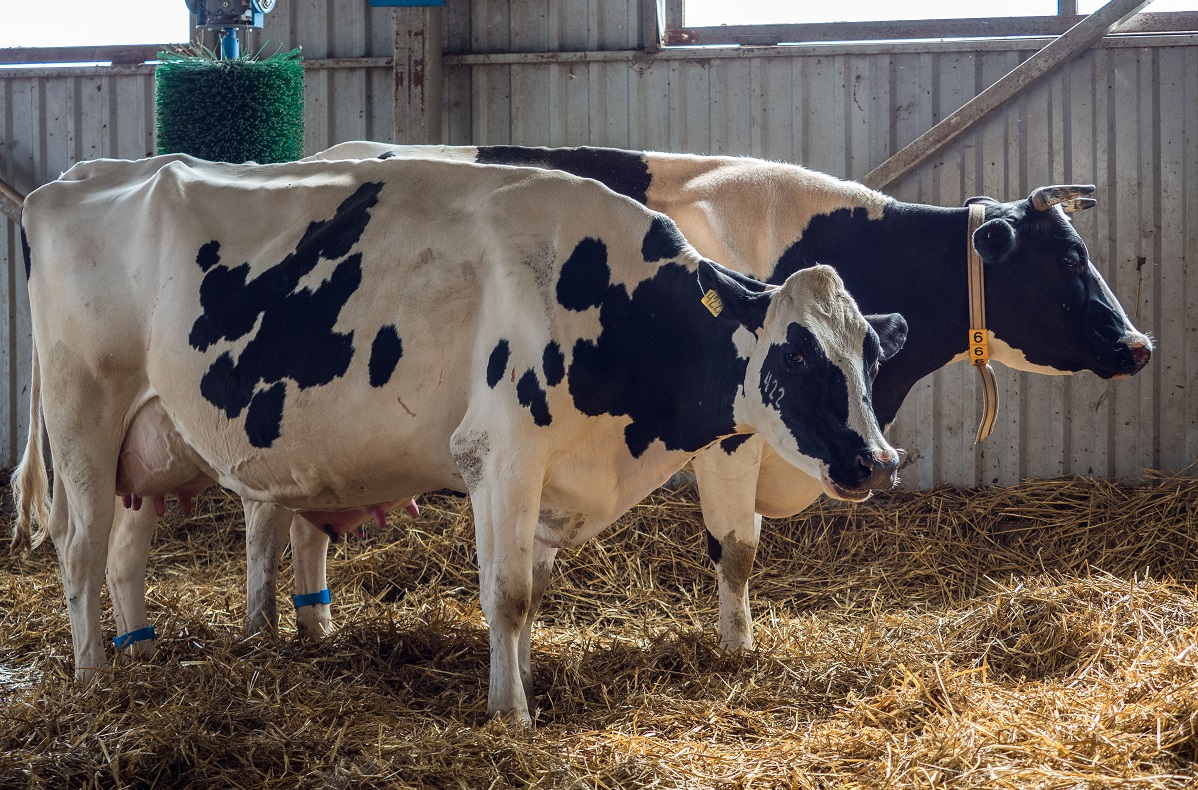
(30, 482)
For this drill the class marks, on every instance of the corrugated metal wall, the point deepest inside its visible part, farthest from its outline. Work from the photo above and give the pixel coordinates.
(1123, 116)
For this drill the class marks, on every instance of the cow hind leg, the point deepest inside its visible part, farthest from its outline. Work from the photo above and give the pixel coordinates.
(542, 567)
(309, 554)
(81, 519)
(128, 552)
(265, 535)
(727, 494)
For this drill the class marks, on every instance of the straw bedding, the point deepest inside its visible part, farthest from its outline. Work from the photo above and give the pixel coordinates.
(1041, 635)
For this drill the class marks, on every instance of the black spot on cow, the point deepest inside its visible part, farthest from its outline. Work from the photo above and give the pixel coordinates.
(584, 276)
(497, 364)
(264, 419)
(889, 264)
(660, 360)
(385, 353)
(796, 374)
(295, 338)
(843, 225)
(554, 364)
(386, 155)
(26, 253)
(904, 239)
(625, 172)
(714, 549)
(732, 443)
(663, 240)
(532, 396)
(209, 255)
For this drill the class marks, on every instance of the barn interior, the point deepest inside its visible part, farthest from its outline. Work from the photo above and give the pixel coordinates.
(1021, 612)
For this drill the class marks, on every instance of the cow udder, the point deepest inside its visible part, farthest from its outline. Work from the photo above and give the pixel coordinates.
(155, 462)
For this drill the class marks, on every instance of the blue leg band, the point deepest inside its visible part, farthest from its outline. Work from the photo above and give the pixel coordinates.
(141, 634)
(311, 599)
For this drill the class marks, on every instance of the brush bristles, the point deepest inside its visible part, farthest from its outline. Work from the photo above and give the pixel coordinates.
(236, 110)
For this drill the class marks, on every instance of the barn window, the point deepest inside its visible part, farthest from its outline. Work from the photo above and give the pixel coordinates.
(765, 22)
(82, 30)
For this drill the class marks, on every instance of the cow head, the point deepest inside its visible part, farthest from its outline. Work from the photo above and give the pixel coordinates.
(1047, 306)
(808, 380)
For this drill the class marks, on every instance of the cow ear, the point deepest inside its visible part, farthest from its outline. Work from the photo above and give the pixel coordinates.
(733, 296)
(892, 333)
(994, 240)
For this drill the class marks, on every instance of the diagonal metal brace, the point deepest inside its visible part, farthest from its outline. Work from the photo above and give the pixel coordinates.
(1074, 41)
(11, 201)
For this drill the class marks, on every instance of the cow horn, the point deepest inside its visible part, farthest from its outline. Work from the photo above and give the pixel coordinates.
(1045, 198)
(1073, 205)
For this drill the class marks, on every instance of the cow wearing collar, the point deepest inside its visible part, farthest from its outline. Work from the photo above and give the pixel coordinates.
(522, 335)
(1048, 311)
(1048, 308)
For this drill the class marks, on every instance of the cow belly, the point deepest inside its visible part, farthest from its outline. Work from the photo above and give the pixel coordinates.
(155, 461)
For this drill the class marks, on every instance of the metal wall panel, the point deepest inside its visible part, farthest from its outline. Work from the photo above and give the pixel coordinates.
(1121, 116)
(488, 26)
(327, 29)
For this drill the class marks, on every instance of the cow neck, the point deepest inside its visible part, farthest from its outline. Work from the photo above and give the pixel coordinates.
(911, 260)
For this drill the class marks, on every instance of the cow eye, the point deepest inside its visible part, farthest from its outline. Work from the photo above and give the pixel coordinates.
(1073, 259)
(796, 359)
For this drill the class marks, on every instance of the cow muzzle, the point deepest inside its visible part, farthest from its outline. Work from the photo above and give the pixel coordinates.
(872, 470)
(1139, 347)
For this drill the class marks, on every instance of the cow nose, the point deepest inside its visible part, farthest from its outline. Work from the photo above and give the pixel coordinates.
(876, 468)
(1141, 352)
(865, 466)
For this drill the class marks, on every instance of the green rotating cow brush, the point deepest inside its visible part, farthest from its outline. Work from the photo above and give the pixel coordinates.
(227, 106)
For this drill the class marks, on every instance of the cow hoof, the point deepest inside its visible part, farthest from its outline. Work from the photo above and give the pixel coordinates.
(736, 644)
(260, 624)
(516, 719)
(138, 651)
(313, 632)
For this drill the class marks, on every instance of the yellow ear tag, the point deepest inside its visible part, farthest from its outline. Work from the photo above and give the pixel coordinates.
(979, 347)
(712, 301)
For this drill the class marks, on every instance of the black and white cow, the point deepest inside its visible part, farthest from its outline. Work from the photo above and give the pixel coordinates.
(1048, 308)
(523, 335)
(1048, 311)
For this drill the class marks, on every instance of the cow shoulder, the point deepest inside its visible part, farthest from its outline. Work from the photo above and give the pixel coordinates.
(747, 212)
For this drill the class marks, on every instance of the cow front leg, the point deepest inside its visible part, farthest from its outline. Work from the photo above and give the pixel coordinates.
(309, 555)
(727, 480)
(128, 553)
(542, 568)
(265, 535)
(505, 493)
(504, 529)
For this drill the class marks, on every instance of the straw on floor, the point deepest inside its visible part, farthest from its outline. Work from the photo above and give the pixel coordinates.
(1041, 635)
